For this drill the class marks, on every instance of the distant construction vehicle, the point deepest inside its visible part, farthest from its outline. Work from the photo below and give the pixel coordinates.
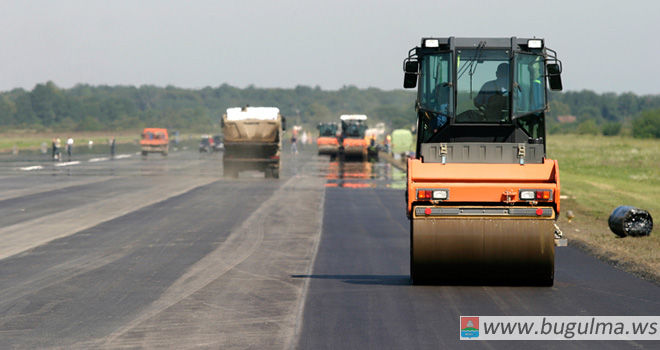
(327, 142)
(482, 197)
(252, 140)
(353, 144)
(154, 140)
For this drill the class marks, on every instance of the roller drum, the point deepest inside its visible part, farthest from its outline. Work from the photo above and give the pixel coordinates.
(491, 250)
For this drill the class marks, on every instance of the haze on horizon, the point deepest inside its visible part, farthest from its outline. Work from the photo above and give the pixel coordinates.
(605, 46)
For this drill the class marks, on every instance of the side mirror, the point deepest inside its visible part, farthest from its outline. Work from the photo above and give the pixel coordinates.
(409, 81)
(554, 77)
(283, 123)
(410, 76)
(412, 67)
(222, 122)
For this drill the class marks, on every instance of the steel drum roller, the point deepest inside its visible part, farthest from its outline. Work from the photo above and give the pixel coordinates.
(478, 249)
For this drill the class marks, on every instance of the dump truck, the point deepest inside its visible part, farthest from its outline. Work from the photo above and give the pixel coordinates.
(482, 197)
(327, 142)
(353, 144)
(154, 140)
(252, 140)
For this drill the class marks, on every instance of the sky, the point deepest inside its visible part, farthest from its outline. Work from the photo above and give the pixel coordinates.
(605, 46)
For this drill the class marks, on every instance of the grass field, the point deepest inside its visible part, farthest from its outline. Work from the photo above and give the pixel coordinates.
(598, 174)
(25, 140)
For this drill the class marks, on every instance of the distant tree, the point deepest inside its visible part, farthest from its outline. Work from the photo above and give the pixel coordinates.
(395, 116)
(628, 104)
(89, 123)
(7, 111)
(558, 108)
(131, 107)
(608, 107)
(611, 128)
(66, 124)
(49, 103)
(588, 112)
(316, 113)
(588, 127)
(647, 125)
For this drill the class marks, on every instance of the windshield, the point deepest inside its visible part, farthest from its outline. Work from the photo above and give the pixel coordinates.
(435, 87)
(327, 130)
(353, 129)
(482, 86)
(529, 95)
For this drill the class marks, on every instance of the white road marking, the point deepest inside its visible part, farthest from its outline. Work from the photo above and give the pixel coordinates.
(563, 197)
(34, 167)
(102, 159)
(121, 156)
(68, 163)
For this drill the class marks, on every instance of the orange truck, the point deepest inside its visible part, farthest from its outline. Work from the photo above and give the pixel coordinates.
(154, 140)
(482, 197)
(327, 142)
(353, 142)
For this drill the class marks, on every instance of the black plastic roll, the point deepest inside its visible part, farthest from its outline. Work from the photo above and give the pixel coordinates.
(630, 221)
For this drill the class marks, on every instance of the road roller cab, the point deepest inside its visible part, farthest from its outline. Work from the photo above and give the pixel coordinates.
(481, 195)
(327, 142)
(353, 142)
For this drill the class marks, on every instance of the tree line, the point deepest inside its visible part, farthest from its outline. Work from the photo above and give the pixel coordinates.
(607, 114)
(91, 108)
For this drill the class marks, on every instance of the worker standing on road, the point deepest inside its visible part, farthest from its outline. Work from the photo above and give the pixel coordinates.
(69, 147)
(58, 149)
(303, 139)
(112, 148)
(54, 145)
(294, 146)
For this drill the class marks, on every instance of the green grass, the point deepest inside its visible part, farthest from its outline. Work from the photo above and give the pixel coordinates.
(30, 140)
(600, 173)
(26, 140)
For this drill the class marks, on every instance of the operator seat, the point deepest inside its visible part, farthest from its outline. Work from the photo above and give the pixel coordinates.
(496, 108)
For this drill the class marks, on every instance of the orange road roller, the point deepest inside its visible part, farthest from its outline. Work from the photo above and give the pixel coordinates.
(352, 138)
(482, 197)
(327, 142)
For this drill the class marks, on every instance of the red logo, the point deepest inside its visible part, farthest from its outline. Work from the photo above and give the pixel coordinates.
(469, 326)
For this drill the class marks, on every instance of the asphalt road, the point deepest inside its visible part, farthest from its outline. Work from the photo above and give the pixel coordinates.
(360, 296)
(164, 252)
